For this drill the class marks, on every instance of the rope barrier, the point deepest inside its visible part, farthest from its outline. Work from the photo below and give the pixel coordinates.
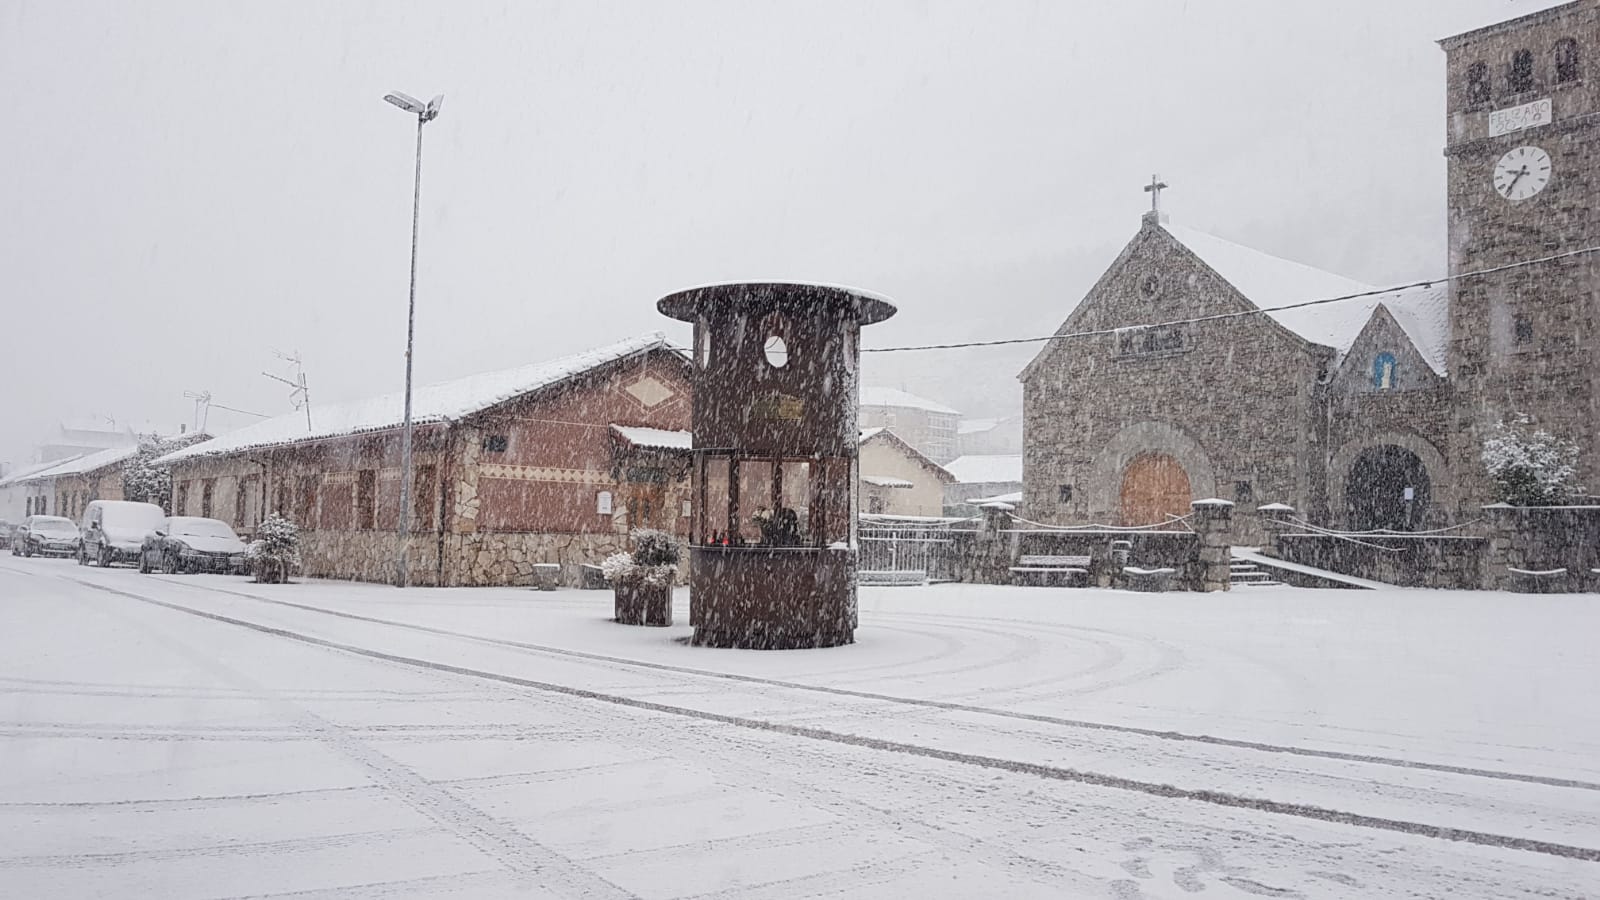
(1171, 520)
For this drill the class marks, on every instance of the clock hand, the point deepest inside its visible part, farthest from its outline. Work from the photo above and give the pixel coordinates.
(1518, 177)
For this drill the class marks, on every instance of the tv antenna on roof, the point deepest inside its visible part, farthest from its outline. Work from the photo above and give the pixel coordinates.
(300, 397)
(202, 408)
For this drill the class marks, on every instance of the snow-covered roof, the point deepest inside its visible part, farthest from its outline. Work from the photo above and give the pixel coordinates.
(868, 434)
(886, 396)
(887, 481)
(442, 402)
(976, 426)
(77, 465)
(1271, 283)
(1005, 501)
(655, 438)
(998, 468)
(26, 473)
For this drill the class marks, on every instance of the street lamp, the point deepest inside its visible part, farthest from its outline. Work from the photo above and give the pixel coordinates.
(425, 113)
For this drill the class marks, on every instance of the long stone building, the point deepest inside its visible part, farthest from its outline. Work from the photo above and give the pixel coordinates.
(1205, 377)
(547, 463)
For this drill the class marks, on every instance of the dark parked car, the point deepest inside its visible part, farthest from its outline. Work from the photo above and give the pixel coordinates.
(45, 536)
(192, 544)
(6, 531)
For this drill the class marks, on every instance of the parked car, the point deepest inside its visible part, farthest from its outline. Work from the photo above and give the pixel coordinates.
(6, 531)
(45, 536)
(192, 544)
(113, 530)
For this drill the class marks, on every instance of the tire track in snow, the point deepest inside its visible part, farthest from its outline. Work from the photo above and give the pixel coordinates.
(1056, 773)
(953, 706)
(519, 854)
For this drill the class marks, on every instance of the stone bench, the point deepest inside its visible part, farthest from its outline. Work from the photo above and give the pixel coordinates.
(1148, 579)
(915, 577)
(546, 575)
(1042, 569)
(1538, 581)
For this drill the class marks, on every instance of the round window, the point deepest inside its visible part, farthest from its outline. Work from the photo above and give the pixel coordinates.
(1150, 287)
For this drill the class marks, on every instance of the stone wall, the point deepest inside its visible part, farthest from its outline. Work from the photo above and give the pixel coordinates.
(1543, 539)
(1200, 558)
(1431, 561)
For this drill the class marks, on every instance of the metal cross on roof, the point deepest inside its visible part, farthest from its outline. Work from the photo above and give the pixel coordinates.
(1154, 189)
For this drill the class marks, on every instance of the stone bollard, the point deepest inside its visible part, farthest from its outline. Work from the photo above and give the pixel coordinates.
(1213, 528)
(1275, 522)
(1494, 571)
(545, 576)
(992, 555)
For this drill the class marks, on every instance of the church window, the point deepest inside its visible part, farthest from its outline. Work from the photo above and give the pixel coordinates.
(496, 443)
(1244, 492)
(1150, 287)
(1522, 328)
(1064, 493)
(776, 348)
(1521, 77)
(1568, 67)
(1144, 341)
(1383, 372)
(1477, 84)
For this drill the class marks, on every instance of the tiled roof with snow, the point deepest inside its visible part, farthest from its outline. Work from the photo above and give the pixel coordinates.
(1271, 283)
(77, 465)
(886, 481)
(655, 438)
(445, 401)
(976, 426)
(885, 396)
(998, 468)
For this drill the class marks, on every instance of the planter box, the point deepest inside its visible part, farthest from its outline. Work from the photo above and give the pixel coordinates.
(638, 603)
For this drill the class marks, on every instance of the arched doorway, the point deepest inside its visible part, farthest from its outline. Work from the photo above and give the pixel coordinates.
(1154, 488)
(1388, 487)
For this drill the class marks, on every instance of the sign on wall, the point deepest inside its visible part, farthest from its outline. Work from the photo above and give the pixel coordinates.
(1518, 118)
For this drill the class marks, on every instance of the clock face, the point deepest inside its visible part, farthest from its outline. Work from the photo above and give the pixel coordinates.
(1522, 173)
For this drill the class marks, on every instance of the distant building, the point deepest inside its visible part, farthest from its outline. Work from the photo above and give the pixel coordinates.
(924, 424)
(988, 437)
(981, 477)
(76, 438)
(546, 463)
(897, 479)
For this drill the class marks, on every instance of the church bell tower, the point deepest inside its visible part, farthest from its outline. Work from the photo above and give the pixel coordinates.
(1523, 159)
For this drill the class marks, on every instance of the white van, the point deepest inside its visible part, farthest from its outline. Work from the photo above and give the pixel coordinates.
(114, 530)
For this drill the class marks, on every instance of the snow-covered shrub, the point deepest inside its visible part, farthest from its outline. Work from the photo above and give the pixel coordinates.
(276, 550)
(144, 482)
(1529, 467)
(653, 562)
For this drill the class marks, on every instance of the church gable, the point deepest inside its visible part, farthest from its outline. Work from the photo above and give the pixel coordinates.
(1147, 298)
(1384, 358)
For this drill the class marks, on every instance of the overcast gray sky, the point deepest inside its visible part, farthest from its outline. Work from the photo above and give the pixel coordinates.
(191, 185)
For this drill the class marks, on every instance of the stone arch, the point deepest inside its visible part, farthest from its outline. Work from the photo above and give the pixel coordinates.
(1105, 481)
(1443, 494)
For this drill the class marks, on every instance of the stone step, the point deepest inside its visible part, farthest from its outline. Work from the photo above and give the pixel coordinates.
(1250, 577)
(1254, 583)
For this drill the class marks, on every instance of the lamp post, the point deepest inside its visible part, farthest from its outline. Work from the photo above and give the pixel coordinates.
(425, 113)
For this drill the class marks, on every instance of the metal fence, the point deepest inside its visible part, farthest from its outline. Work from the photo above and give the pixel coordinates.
(896, 553)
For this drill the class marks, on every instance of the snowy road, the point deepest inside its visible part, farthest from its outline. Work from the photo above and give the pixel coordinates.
(208, 737)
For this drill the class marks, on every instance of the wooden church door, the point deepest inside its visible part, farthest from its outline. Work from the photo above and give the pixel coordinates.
(1154, 487)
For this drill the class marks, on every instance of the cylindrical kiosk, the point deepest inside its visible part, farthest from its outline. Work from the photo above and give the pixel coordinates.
(772, 558)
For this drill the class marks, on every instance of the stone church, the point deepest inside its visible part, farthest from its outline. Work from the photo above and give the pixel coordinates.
(1208, 371)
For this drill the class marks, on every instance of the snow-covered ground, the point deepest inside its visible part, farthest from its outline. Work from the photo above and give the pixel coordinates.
(204, 736)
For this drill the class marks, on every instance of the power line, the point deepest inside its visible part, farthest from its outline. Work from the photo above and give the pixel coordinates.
(244, 411)
(1376, 292)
